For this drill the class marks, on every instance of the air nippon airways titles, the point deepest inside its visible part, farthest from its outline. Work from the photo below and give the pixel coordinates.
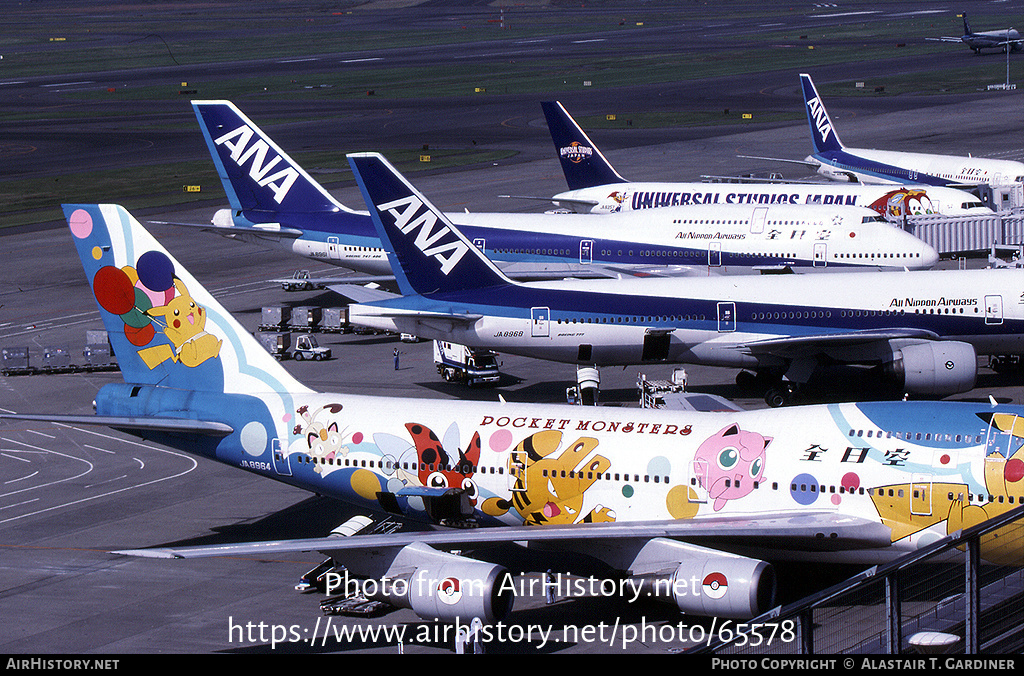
(595, 186)
(661, 497)
(782, 326)
(273, 200)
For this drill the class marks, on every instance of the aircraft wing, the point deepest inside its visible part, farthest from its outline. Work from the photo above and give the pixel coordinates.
(820, 531)
(794, 346)
(181, 426)
(265, 230)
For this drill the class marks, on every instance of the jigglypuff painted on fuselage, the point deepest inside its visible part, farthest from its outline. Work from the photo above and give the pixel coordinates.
(729, 464)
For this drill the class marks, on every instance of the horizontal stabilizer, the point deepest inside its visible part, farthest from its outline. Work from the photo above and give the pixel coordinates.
(182, 426)
(425, 316)
(269, 230)
(361, 294)
(805, 163)
(578, 204)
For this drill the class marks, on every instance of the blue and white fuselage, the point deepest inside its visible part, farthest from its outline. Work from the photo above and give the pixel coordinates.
(274, 200)
(841, 163)
(928, 325)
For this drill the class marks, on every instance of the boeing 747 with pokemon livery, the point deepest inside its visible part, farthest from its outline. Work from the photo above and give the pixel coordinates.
(596, 187)
(924, 329)
(274, 201)
(693, 508)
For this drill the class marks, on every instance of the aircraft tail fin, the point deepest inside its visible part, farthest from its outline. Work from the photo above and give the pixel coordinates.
(823, 132)
(967, 26)
(427, 252)
(582, 162)
(257, 175)
(164, 327)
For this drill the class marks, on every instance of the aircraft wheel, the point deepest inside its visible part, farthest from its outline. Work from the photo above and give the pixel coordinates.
(779, 395)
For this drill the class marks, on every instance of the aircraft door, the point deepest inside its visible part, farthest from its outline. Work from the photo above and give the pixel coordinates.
(517, 471)
(281, 463)
(333, 249)
(757, 220)
(539, 322)
(921, 495)
(698, 493)
(726, 317)
(586, 251)
(820, 254)
(715, 254)
(480, 243)
(1002, 443)
(993, 309)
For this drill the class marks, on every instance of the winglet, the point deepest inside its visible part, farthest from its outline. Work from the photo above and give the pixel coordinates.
(823, 133)
(427, 252)
(583, 163)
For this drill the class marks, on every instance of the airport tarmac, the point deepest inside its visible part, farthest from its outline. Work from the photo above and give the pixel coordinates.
(71, 495)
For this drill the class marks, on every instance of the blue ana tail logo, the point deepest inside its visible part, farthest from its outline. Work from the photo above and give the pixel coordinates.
(237, 142)
(410, 214)
(820, 119)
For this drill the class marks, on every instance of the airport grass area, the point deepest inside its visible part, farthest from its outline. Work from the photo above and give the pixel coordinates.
(34, 200)
(87, 40)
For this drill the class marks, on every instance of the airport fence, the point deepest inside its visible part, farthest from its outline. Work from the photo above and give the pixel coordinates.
(941, 599)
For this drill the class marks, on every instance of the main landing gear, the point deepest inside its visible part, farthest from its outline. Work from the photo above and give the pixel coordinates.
(778, 392)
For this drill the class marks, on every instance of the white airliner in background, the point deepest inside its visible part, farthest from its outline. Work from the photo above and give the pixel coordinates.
(925, 328)
(275, 202)
(690, 508)
(596, 187)
(841, 163)
(995, 39)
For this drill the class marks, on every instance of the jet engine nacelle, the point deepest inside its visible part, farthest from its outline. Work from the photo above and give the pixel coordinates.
(736, 588)
(939, 368)
(706, 582)
(441, 586)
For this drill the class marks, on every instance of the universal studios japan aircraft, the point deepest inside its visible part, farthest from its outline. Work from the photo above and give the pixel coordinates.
(595, 186)
(693, 507)
(923, 329)
(275, 202)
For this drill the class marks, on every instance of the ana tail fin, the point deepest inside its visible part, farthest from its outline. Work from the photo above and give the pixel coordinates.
(427, 252)
(257, 175)
(583, 163)
(823, 133)
(165, 328)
